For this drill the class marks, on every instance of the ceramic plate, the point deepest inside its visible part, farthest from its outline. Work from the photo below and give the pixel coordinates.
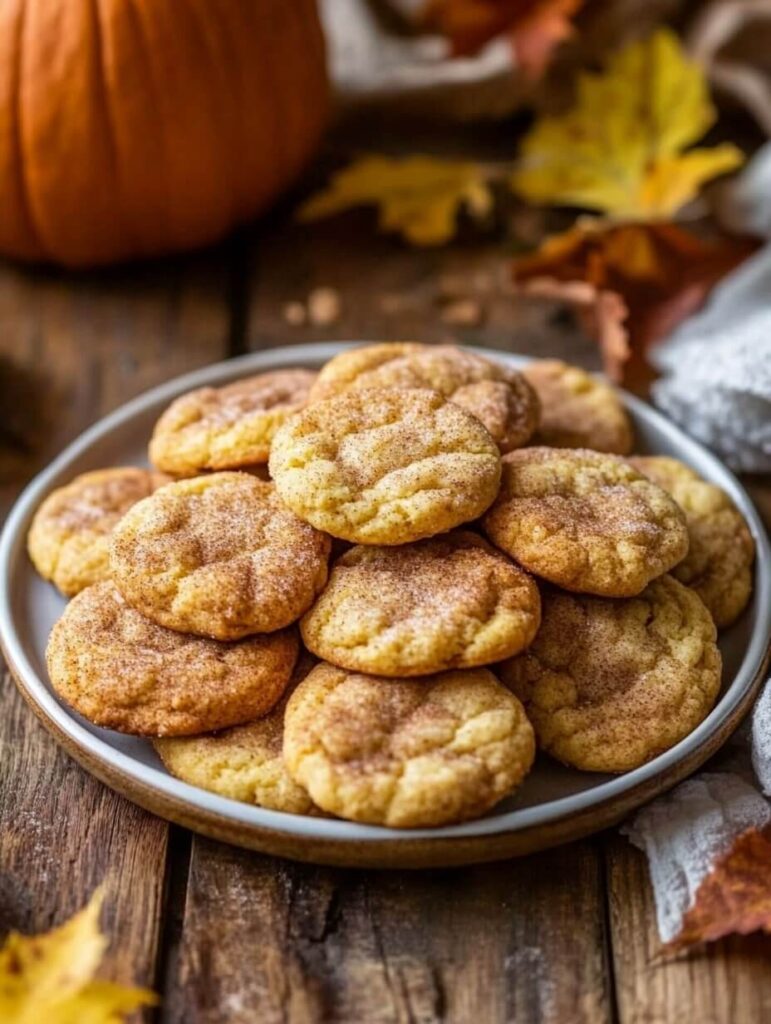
(554, 805)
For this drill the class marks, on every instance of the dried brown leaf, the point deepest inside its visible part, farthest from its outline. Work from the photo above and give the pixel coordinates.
(633, 283)
(534, 27)
(735, 897)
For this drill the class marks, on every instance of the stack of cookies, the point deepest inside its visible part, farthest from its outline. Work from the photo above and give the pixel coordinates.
(375, 591)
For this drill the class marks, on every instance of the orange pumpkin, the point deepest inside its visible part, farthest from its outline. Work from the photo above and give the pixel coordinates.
(134, 127)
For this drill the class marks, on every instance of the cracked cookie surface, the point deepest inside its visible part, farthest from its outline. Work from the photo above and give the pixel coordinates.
(448, 602)
(385, 466)
(577, 409)
(229, 427)
(718, 565)
(608, 685)
(406, 753)
(243, 763)
(219, 556)
(586, 521)
(497, 395)
(69, 540)
(120, 670)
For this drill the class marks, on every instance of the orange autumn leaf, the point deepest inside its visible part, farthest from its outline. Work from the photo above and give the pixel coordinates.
(537, 34)
(735, 897)
(534, 27)
(631, 283)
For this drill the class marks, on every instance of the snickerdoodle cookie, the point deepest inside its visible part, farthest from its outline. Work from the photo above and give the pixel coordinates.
(385, 466)
(719, 561)
(69, 540)
(120, 670)
(406, 753)
(220, 556)
(448, 602)
(244, 763)
(608, 685)
(587, 521)
(497, 395)
(577, 409)
(228, 427)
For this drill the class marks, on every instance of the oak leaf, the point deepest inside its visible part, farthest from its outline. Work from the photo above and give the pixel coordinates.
(418, 196)
(735, 897)
(49, 979)
(622, 148)
(534, 27)
(632, 283)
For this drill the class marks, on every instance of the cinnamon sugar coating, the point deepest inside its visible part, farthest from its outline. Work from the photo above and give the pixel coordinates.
(578, 410)
(69, 540)
(243, 763)
(586, 521)
(120, 670)
(608, 685)
(219, 556)
(406, 753)
(229, 427)
(448, 602)
(497, 395)
(385, 466)
(718, 565)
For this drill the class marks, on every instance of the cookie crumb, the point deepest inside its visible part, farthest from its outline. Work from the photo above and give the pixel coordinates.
(324, 307)
(295, 314)
(462, 313)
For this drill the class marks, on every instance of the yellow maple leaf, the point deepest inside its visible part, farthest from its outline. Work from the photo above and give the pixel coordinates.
(418, 196)
(49, 979)
(620, 149)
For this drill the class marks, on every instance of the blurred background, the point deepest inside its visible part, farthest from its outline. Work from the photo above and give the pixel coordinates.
(181, 182)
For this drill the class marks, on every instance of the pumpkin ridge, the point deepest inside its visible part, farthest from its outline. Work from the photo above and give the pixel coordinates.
(201, 22)
(102, 92)
(133, 8)
(182, 231)
(297, 127)
(19, 163)
(250, 200)
(285, 127)
(305, 115)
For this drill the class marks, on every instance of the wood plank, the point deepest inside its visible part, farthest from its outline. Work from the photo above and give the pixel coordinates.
(724, 983)
(278, 942)
(390, 292)
(71, 348)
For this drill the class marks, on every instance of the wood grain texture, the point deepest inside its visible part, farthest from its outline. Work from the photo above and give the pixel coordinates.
(723, 983)
(389, 292)
(62, 834)
(278, 942)
(72, 348)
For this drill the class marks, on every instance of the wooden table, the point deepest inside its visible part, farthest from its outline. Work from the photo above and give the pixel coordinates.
(227, 936)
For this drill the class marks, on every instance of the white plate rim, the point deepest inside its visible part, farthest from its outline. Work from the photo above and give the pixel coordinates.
(12, 548)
